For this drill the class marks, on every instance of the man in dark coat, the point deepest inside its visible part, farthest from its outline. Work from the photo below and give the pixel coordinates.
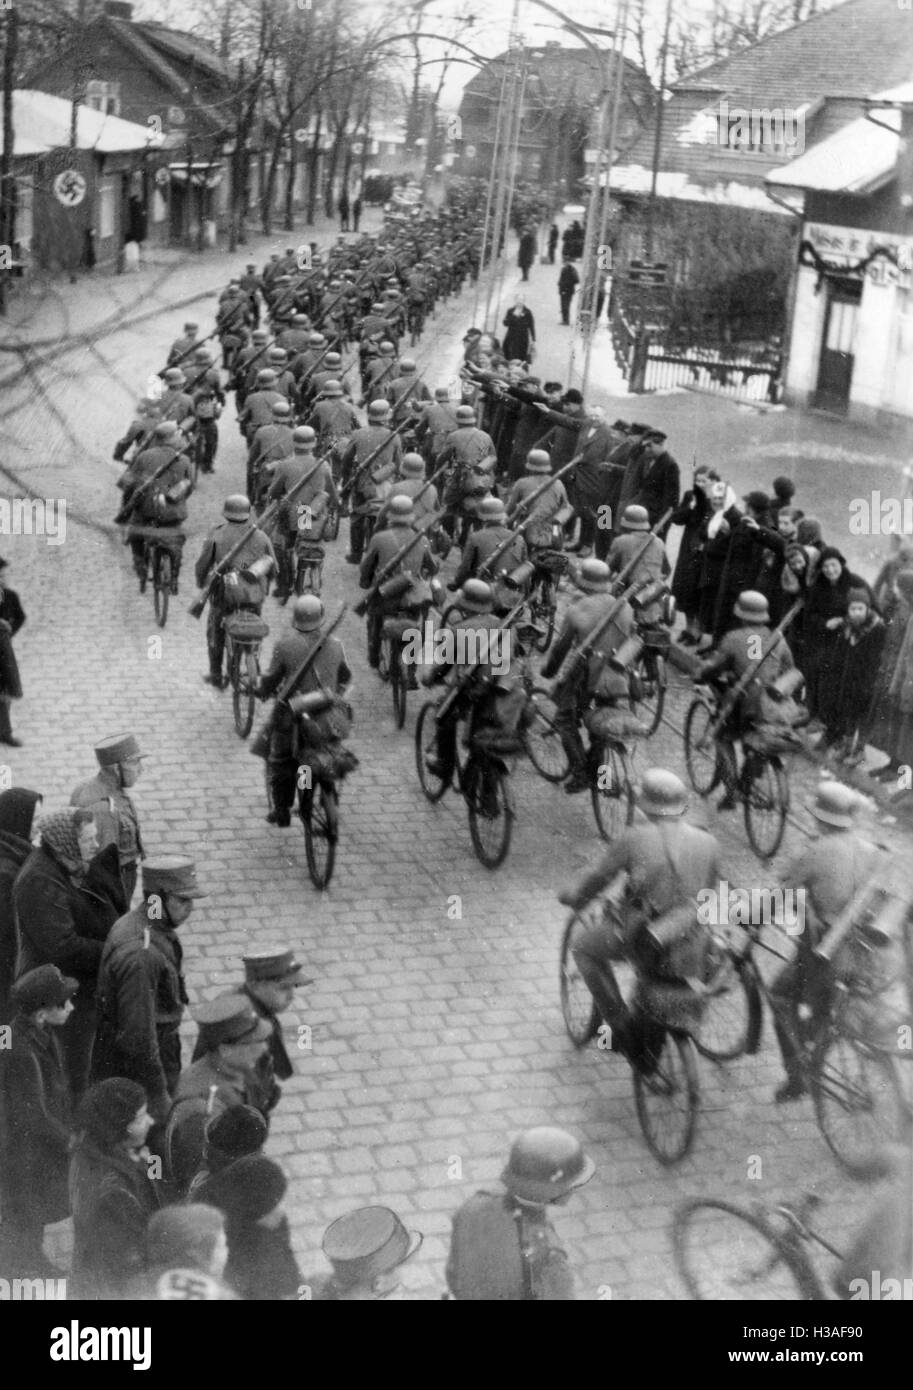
(568, 281)
(17, 814)
(66, 898)
(35, 1113)
(526, 255)
(271, 977)
(11, 619)
(141, 993)
(659, 482)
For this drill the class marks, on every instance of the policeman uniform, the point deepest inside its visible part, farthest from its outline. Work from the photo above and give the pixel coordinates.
(141, 991)
(273, 966)
(112, 808)
(213, 1084)
(363, 1246)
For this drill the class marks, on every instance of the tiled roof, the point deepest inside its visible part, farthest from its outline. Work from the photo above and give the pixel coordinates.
(854, 49)
(858, 158)
(185, 47)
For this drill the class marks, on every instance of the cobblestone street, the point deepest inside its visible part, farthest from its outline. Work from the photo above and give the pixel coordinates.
(433, 1031)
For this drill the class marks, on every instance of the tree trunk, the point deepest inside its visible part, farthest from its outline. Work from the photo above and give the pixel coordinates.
(331, 172)
(268, 192)
(313, 164)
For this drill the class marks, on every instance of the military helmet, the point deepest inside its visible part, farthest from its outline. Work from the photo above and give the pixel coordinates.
(662, 793)
(407, 365)
(635, 518)
(538, 461)
(277, 354)
(175, 377)
(266, 377)
(442, 393)
(332, 359)
(316, 339)
(378, 410)
(166, 429)
(332, 388)
(413, 465)
(751, 607)
(236, 507)
(544, 1164)
(304, 435)
(476, 596)
(465, 415)
(281, 407)
(491, 509)
(835, 804)
(202, 354)
(386, 348)
(400, 509)
(307, 613)
(593, 577)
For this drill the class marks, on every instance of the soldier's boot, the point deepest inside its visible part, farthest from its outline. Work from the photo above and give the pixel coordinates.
(282, 795)
(579, 779)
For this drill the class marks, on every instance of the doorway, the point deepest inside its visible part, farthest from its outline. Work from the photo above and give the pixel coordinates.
(835, 369)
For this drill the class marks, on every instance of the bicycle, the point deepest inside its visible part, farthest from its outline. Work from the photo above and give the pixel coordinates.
(550, 565)
(541, 737)
(319, 815)
(307, 566)
(762, 784)
(483, 780)
(860, 1097)
(612, 730)
(244, 634)
(666, 1101)
(723, 1251)
(391, 668)
(648, 678)
(162, 547)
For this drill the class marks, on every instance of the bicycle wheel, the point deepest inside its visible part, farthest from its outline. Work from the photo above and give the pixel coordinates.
(383, 665)
(397, 686)
(542, 612)
(731, 1019)
(491, 812)
(858, 1102)
(648, 694)
(542, 740)
(245, 672)
(724, 1253)
(701, 756)
(319, 816)
(612, 795)
(161, 584)
(578, 1008)
(667, 1100)
(766, 800)
(331, 526)
(425, 748)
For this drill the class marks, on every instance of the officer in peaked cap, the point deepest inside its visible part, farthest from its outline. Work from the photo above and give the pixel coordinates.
(503, 1245)
(271, 976)
(235, 1068)
(141, 992)
(365, 1248)
(120, 764)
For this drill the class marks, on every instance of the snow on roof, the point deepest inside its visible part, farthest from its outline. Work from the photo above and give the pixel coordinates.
(858, 158)
(41, 122)
(636, 178)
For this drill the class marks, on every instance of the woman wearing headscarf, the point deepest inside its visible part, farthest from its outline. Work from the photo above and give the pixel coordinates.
(66, 898)
(844, 700)
(713, 542)
(17, 814)
(693, 510)
(886, 718)
(112, 1191)
(825, 612)
(521, 332)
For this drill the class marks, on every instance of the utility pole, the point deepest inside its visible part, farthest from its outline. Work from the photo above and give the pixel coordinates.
(7, 181)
